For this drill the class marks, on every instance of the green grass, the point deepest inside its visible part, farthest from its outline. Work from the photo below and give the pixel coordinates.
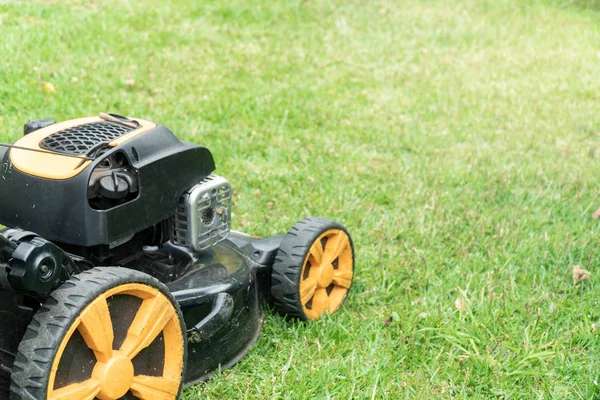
(459, 141)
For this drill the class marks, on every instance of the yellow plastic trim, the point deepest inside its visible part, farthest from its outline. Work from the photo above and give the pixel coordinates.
(319, 274)
(113, 373)
(145, 126)
(55, 165)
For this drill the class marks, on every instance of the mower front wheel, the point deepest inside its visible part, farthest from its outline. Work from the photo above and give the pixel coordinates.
(107, 333)
(313, 269)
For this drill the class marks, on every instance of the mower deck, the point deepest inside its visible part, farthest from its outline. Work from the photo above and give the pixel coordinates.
(221, 293)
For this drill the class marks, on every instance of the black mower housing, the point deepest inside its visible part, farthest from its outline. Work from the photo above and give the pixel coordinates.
(124, 203)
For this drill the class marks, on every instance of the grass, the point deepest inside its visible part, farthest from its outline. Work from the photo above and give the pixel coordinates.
(459, 141)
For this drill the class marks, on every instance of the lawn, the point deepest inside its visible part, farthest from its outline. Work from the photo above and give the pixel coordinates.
(459, 142)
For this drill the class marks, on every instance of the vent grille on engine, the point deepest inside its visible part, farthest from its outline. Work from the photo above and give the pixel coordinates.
(180, 223)
(83, 138)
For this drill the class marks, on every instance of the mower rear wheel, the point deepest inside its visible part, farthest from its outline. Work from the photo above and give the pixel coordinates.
(313, 269)
(107, 333)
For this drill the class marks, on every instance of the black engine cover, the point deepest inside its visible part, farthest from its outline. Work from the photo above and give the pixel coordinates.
(59, 210)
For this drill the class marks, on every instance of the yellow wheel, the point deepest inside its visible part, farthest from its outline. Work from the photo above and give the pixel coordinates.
(313, 269)
(108, 333)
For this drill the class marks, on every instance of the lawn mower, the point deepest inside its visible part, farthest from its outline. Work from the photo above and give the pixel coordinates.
(120, 276)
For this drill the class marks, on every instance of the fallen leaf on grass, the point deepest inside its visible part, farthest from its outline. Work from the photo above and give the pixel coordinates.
(460, 304)
(392, 318)
(49, 88)
(596, 214)
(580, 274)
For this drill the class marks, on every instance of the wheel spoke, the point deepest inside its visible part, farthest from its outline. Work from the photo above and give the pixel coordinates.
(152, 317)
(97, 329)
(316, 254)
(154, 387)
(320, 303)
(307, 289)
(335, 246)
(85, 391)
(342, 278)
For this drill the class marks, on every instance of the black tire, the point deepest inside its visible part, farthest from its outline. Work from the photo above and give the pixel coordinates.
(53, 327)
(4, 382)
(292, 260)
(14, 318)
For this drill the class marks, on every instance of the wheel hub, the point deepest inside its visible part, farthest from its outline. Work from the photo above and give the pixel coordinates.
(326, 277)
(115, 376)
